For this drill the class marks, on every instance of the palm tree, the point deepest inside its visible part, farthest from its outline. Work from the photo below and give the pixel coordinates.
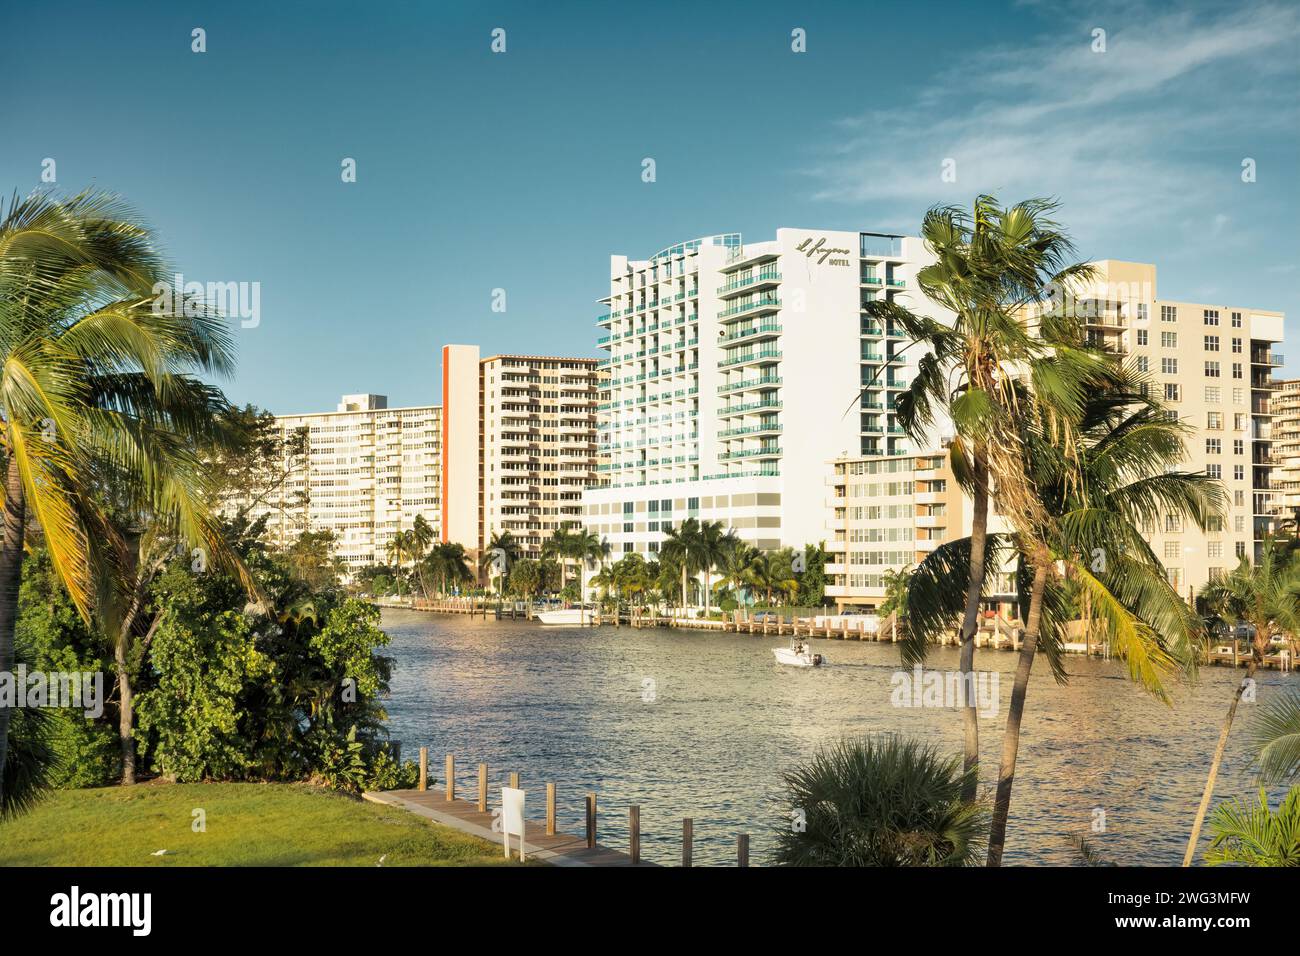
(883, 801)
(774, 573)
(736, 565)
(587, 548)
(398, 549)
(449, 564)
(895, 602)
(713, 543)
(1118, 476)
(97, 405)
(1252, 835)
(991, 264)
(560, 547)
(681, 547)
(418, 540)
(502, 552)
(1275, 739)
(1266, 596)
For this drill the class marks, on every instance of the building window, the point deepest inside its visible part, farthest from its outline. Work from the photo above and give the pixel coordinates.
(1214, 549)
(1169, 340)
(1241, 549)
(1213, 446)
(1173, 524)
(1236, 346)
(1142, 336)
(1144, 365)
(1214, 471)
(1211, 343)
(1214, 421)
(1211, 316)
(1236, 370)
(1169, 366)
(1238, 446)
(1172, 550)
(1236, 320)
(1213, 395)
(1211, 369)
(1172, 393)
(1238, 472)
(1169, 313)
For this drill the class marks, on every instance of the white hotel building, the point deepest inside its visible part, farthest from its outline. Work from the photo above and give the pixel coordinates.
(734, 377)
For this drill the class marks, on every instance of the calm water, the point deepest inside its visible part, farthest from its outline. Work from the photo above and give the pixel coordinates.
(566, 705)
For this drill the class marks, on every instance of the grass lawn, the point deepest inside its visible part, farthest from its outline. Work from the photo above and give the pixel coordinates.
(248, 824)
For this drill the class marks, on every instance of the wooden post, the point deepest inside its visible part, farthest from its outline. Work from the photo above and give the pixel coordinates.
(688, 840)
(742, 849)
(514, 780)
(634, 829)
(451, 777)
(482, 788)
(550, 809)
(591, 820)
(424, 768)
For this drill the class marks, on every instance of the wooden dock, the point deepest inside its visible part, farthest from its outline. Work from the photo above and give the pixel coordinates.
(559, 849)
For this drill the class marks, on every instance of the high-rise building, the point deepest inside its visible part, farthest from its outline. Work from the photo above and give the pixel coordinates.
(1213, 365)
(1286, 448)
(736, 371)
(887, 513)
(519, 439)
(369, 470)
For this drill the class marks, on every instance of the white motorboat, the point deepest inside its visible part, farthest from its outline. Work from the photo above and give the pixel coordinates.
(798, 654)
(568, 616)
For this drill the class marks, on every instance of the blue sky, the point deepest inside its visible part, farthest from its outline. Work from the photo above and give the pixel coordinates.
(522, 170)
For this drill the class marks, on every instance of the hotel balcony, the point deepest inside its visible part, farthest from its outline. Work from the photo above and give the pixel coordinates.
(756, 333)
(748, 358)
(766, 381)
(767, 277)
(731, 410)
(760, 304)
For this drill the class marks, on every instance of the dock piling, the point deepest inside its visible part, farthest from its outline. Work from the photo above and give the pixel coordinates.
(688, 840)
(742, 849)
(634, 831)
(451, 777)
(550, 809)
(424, 768)
(591, 820)
(482, 788)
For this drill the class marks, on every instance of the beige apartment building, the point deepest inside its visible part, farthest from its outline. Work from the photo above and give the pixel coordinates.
(519, 436)
(1286, 448)
(368, 472)
(1213, 364)
(887, 513)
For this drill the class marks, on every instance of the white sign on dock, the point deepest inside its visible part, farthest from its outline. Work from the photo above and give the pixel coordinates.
(512, 818)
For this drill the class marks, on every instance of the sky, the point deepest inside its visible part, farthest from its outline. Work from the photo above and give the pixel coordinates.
(521, 170)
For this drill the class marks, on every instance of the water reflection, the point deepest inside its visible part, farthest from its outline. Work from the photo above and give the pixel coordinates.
(709, 737)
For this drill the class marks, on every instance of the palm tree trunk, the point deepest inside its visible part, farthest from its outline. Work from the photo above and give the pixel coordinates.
(125, 715)
(1011, 736)
(1218, 759)
(707, 582)
(11, 575)
(683, 588)
(970, 623)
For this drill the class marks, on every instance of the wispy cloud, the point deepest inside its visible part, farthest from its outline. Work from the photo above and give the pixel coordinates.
(1136, 131)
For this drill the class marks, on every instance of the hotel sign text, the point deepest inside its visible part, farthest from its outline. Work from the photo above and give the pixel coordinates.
(823, 252)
